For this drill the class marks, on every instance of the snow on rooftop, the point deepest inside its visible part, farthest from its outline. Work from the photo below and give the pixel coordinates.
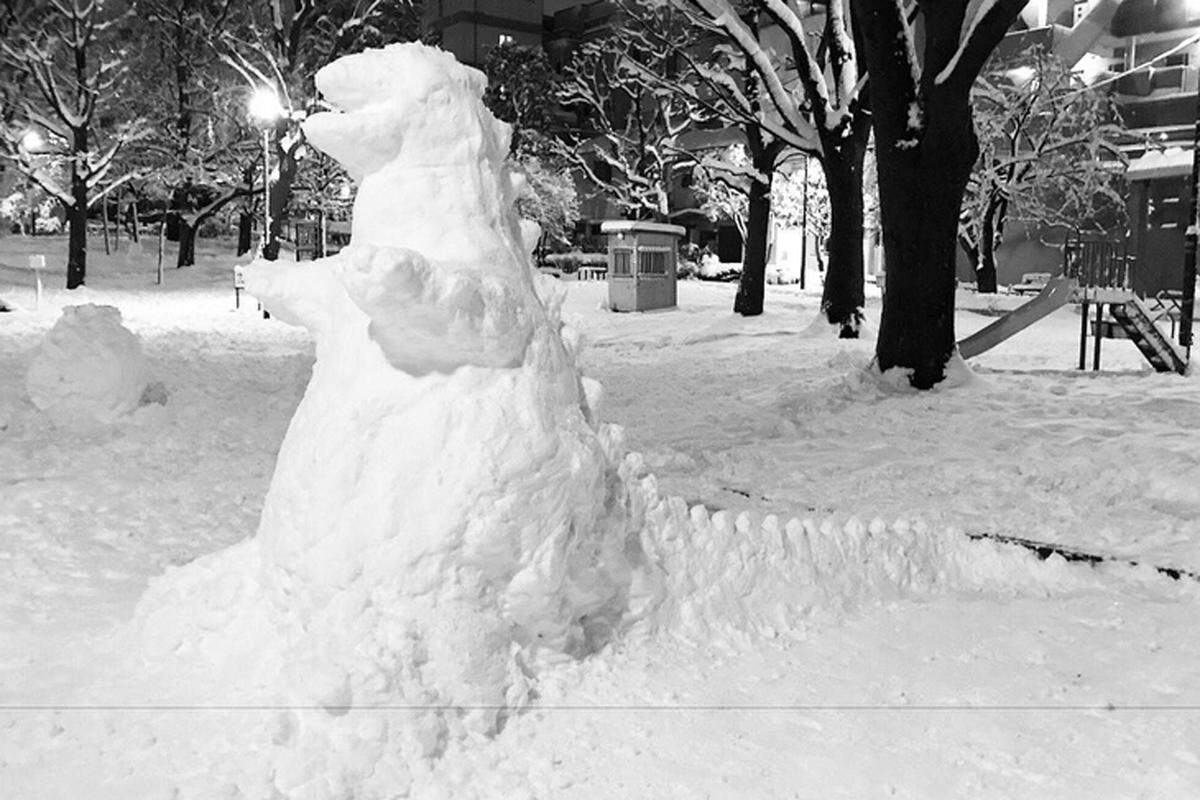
(1171, 162)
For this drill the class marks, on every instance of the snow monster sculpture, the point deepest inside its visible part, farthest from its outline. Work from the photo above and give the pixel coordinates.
(443, 466)
(444, 512)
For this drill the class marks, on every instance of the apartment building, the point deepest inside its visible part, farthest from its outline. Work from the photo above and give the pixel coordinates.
(470, 28)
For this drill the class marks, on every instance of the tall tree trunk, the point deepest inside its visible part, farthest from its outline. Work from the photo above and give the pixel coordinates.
(245, 232)
(77, 216)
(843, 298)
(921, 191)
(104, 223)
(926, 148)
(972, 252)
(280, 196)
(187, 243)
(985, 270)
(752, 284)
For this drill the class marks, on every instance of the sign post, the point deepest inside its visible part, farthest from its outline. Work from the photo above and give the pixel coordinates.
(37, 264)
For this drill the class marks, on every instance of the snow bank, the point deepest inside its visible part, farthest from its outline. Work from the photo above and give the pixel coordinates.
(89, 368)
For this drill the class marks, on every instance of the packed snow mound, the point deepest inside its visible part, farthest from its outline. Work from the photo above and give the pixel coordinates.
(316, 722)
(88, 370)
(445, 515)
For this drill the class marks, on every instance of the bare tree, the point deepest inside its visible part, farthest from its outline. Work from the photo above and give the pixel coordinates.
(626, 137)
(281, 48)
(66, 60)
(1049, 157)
(520, 81)
(926, 149)
(804, 96)
(201, 154)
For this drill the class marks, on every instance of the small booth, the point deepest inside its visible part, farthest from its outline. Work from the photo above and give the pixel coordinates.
(1159, 197)
(309, 234)
(641, 264)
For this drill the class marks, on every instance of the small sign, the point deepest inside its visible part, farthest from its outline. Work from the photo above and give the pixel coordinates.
(239, 277)
(37, 262)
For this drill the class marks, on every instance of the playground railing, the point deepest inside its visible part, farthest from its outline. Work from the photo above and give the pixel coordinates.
(1099, 264)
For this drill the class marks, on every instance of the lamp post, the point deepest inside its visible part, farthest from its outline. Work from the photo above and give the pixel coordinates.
(265, 111)
(32, 142)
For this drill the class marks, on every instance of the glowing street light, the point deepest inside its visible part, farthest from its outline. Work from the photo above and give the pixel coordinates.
(264, 106)
(33, 141)
(265, 111)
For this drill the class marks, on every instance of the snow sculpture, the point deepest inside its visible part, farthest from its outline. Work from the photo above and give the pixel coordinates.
(443, 454)
(89, 369)
(445, 513)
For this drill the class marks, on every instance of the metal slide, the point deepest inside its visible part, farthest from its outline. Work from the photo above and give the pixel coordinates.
(1056, 294)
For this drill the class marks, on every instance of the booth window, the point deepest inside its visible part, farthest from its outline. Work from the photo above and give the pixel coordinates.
(652, 262)
(622, 262)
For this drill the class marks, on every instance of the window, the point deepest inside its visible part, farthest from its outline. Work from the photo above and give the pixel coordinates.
(1082, 7)
(622, 262)
(652, 262)
(506, 38)
(1165, 209)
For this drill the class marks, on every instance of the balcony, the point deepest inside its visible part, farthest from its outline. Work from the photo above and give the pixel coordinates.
(1155, 83)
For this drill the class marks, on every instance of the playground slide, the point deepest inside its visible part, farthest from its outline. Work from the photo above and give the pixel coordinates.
(1053, 297)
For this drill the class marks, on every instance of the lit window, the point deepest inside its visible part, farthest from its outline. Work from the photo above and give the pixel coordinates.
(507, 39)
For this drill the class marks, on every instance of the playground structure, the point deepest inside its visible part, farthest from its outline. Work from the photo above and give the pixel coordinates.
(1097, 274)
(1104, 274)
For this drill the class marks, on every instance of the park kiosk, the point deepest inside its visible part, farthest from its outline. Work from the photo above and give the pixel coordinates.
(641, 264)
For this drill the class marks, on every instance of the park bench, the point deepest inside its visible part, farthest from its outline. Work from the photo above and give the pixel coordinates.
(1031, 283)
(592, 272)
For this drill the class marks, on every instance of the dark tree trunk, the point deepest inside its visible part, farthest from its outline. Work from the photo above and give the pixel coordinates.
(926, 148)
(179, 205)
(245, 232)
(972, 252)
(187, 243)
(752, 284)
(921, 191)
(843, 298)
(77, 218)
(985, 271)
(104, 222)
(280, 196)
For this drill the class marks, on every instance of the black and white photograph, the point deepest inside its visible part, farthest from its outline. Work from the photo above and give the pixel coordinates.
(599, 400)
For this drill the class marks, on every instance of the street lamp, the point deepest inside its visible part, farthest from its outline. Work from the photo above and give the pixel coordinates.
(265, 111)
(31, 142)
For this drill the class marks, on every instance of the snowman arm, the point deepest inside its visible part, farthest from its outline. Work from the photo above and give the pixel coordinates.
(298, 293)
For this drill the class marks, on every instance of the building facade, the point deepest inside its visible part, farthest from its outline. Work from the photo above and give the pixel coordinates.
(471, 28)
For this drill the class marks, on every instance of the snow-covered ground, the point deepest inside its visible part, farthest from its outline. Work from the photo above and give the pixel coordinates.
(896, 658)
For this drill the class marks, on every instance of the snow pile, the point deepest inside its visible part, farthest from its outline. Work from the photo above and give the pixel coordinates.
(445, 514)
(89, 369)
(720, 577)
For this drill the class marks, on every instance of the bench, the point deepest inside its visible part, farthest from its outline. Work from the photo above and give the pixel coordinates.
(1031, 283)
(588, 273)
